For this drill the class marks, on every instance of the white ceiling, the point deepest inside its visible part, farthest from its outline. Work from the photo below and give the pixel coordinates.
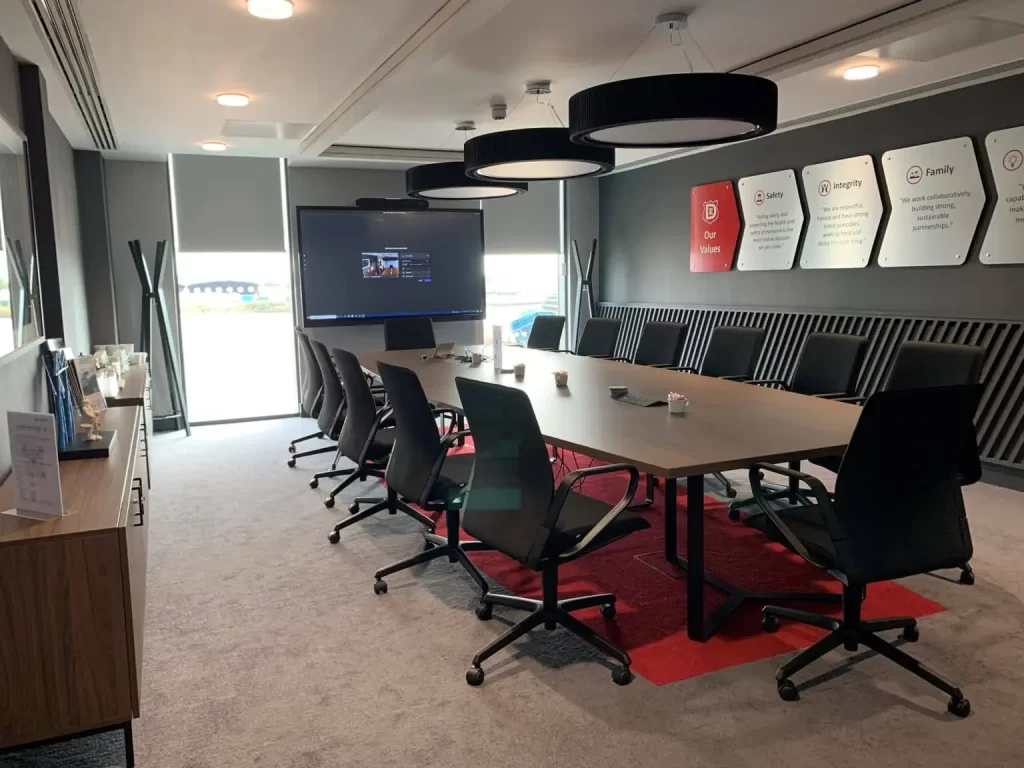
(399, 73)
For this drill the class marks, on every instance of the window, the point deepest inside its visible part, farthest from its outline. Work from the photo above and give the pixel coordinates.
(520, 287)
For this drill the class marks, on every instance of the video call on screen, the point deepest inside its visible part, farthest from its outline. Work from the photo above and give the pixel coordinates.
(359, 264)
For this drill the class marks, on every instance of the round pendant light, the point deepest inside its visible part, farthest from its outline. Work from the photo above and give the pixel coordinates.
(448, 181)
(688, 110)
(533, 154)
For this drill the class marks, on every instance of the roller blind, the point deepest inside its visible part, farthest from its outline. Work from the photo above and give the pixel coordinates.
(525, 224)
(228, 204)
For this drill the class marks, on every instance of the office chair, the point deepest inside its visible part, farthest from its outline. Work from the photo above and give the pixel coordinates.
(546, 332)
(897, 511)
(829, 366)
(332, 406)
(923, 364)
(732, 354)
(409, 333)
(512, 505)
(660, 345)
(313, 391)
(422, 470)
(370, 446)
(599, 337)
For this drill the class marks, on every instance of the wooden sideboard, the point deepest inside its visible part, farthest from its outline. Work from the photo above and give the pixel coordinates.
(138, 390)
(73, 599)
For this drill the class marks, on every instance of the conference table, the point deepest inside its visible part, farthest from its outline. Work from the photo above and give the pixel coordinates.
(728, 425)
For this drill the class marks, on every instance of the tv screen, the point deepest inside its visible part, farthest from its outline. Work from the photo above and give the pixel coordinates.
(359, 265)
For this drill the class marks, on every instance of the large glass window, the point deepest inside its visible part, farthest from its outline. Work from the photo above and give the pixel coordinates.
(520, 287)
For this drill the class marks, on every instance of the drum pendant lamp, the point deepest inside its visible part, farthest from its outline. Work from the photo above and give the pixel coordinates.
(674, 110)
(448, 181)
(533, 154)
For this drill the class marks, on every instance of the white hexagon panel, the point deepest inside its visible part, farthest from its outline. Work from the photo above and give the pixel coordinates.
(937, 198)
(844, 209)
(774, 217)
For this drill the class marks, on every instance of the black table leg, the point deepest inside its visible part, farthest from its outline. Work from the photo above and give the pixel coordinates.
(129, 746)
(671, 537)
(695, 558)
(794, 483)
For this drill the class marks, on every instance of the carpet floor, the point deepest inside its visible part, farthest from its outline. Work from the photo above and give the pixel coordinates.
(265, 646)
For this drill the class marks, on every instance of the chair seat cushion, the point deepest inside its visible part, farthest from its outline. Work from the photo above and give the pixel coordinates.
(807, 525)
(454, 476)
(581, 513)
(382, 445)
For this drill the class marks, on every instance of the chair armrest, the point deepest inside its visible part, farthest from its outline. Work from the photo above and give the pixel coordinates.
(818, 491)
(382, 414)
(446, 445)
(735, 377)
(855, 399)
(618, 359)
(683, 368)
(832, 395)
(769, 382)
(565, 487)
(666, 366)
(563, 351)
(600, 357)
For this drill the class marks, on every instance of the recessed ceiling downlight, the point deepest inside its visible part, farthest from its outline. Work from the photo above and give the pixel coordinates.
(214, 146)
(233, 100)
(861, 72)
(271, 9)
(448, 181)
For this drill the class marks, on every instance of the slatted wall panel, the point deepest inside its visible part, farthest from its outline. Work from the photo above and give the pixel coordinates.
(1001, 415)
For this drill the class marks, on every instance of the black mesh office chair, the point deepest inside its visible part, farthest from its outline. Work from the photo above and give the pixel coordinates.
(368, 445)
(829, 366)
(546, 332)
(897, 511)
(923, 364)
(660, 345)
(409, 333)
(732, 353)
(599, 337)
(332, 406)
(312, 389)
(512, 505)
(422, 470)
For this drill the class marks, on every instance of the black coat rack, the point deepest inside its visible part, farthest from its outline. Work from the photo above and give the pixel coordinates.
(153, 297)
(586, 282)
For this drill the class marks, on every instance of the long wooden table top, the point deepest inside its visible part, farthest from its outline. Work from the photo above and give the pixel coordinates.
(95, 491)
(729, 425)
(134, 390)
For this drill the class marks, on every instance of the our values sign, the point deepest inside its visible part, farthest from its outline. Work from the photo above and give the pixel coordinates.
(844, 210)
(937, 198)
(714, 227)
(773, 217)
(1004, 241)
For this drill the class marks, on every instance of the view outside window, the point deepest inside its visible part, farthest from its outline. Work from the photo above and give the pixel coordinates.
(237, 334)
(520, 287)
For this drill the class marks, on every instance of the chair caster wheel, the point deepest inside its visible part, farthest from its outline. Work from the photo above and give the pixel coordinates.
(475, 676)
(730, 493)
(314, 483)
(960, 707)
(334, 537)
(329, 502)
(910, 634)
(734, 515)
(788, 691)
(967, 577)
(291, 449)
(770, 623)
(380, 587)
(291, 462)
(484, 611)
(622, 676)
(608, 610)
(353, 508)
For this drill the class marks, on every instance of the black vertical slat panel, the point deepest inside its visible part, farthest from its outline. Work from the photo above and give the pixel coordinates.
(998, 388)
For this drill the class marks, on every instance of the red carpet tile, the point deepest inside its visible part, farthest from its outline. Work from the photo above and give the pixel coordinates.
(651, 606)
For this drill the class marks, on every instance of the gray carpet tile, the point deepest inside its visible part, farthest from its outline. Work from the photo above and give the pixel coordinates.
(265, 646)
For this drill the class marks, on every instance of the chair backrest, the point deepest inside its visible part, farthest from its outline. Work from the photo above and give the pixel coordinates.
(733, 351)
(329, 420)
(417, 444)
(660, 344)
(313, 380)
(829, 363)
(898, 505)
(599, 336)
(920, 364)
(409, 333)
(362, 408)
(546, 332)
(511, 487)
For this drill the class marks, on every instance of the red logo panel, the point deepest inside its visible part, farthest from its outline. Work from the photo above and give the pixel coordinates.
(714, 227)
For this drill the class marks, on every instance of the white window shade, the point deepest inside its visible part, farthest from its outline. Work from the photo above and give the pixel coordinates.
(228, 204)
(525, 224)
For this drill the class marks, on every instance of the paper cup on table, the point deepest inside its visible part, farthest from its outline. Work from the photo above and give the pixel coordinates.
(476, 358)
(519, 369)
(678, 406)
(561, 378)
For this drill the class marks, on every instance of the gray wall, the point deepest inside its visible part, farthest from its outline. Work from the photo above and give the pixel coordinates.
(139, 208)
(645, 219)
(95, 241)
(21, 382)
(341, 186)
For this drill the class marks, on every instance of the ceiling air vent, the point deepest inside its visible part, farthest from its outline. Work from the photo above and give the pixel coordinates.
(61, 29)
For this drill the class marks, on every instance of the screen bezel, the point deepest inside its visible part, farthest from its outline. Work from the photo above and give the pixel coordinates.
(308, 323)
